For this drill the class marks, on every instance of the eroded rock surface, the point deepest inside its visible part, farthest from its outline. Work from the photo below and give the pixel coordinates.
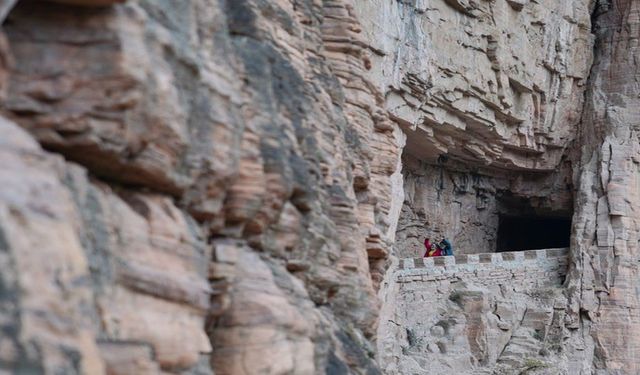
(495, 83)
(195, 187)
(604, 299)
(225, 186)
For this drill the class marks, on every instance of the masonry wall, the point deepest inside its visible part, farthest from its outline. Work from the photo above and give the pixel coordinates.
(494, 313)
(521, 269)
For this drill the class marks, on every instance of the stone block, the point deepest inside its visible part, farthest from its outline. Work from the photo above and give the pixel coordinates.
(473, 259)
(485, 258)
(408, 264)
(554, 253)
(428, 262)
(509, 256)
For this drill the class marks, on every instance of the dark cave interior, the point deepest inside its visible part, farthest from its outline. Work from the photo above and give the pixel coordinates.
(517, 233)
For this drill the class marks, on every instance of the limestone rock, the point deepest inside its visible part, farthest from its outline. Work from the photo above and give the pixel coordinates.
(208, 147)
(496, 83)
(470, 316)
(606, 224)
(241, 187)
(137, 262)
(45, 274)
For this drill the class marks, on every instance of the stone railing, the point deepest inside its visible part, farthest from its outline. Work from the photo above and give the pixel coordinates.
(525, 269)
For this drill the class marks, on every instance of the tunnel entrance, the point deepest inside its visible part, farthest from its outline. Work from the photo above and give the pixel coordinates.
(532, 232)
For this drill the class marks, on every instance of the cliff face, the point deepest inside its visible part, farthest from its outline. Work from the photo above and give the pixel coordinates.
(489, 95)
(191, 186)
(224, 186)
(604, 298)
(492, 83)
(590, 332)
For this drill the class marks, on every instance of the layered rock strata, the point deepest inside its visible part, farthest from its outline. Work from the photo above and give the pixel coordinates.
(191, 187)
(604, 298)
(215, 186)
(595, 330)
(491, 83)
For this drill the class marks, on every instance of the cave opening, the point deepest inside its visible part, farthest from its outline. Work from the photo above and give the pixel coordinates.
(516, 233)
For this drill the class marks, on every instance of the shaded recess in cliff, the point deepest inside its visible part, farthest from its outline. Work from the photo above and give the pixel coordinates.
(517, 233)
(468, 204)
(490, 96)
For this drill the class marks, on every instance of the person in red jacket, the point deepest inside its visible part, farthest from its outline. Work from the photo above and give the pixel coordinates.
(431, 249)
(427, 246)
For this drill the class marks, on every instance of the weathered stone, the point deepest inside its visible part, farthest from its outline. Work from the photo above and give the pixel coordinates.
(209, 134)
(467, 322)
(480, 83)
(123, 358)
(603, 298)
(231, 193)
(46, 292)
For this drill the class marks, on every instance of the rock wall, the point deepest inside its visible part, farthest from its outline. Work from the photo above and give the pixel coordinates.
(223, 186)
(497, 83)
(490, 95)
(602, 288)
(190, 187)
(601, 310)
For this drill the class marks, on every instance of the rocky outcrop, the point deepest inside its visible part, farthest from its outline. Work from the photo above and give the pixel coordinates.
(96, 269)
(491, 83)
(604, 299)
(593, 328)
(489, 95)
(225, 186)
(199, 187)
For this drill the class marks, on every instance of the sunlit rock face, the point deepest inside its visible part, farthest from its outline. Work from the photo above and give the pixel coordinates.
(491, 83)
(197, 187)
(485, 118)
(602, 287)
(232, 186)
(489, 95)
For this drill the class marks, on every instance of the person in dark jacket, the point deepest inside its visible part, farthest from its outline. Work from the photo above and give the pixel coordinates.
(447, 248)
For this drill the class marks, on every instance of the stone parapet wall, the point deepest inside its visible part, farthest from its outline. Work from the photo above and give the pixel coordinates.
(524, 269)
(489, 313)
